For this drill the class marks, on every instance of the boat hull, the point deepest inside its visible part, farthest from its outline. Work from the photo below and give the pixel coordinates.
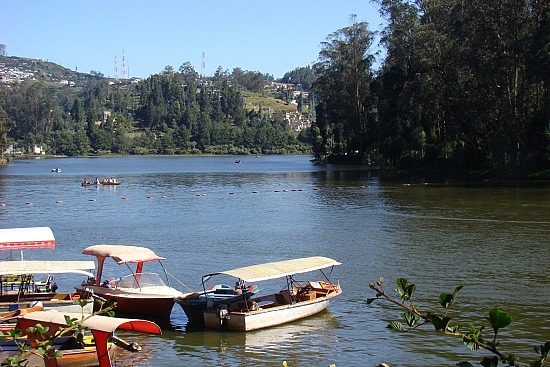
(148, 305)
(194, 306)
(268, 317)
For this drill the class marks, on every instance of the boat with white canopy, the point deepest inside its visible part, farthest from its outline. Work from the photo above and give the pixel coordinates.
(297, 300)
(31, 280)
(138, 293)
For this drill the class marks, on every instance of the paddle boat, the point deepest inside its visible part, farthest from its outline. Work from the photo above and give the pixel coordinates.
(23, 282)
(137, 293)
(110, 182)
(97, 349)
(297, 300)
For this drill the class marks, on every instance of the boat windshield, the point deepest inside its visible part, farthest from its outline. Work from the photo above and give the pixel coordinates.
(140, 280)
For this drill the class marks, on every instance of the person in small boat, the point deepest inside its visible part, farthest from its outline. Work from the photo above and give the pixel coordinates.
(86, 182)
(96, 181)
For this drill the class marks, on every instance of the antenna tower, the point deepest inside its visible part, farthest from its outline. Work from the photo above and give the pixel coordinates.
(116, 70)
(123, 65)
(203, 64)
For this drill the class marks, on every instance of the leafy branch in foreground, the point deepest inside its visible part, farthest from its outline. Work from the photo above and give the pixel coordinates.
(43, 342)
(473, 337)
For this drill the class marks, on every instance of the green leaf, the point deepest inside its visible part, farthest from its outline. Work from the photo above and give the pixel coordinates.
(410, 318)
(446, 300)
(395, 326)
(440, 323)
(473, 338)
(402, 283)
(405, 289)
(498, 319)
(370, 300)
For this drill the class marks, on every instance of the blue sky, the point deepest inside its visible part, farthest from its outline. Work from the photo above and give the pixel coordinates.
(266, 36)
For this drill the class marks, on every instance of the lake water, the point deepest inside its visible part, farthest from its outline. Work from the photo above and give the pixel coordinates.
(206, 214)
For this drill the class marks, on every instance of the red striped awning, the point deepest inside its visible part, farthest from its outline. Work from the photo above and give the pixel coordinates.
(26, 238)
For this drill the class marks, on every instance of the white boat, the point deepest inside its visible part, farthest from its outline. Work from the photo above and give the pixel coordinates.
(23, 281)
(138, 293)
(298, 300)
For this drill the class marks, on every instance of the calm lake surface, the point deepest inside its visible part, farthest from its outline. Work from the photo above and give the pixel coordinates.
(493, 238)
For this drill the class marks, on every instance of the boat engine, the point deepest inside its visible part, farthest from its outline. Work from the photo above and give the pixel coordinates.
(223, 313)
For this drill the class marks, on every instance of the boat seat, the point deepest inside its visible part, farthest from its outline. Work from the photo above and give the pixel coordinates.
(281, 299)
(43, 285)
(243, 306)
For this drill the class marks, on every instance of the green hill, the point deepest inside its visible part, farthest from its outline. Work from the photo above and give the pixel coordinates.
(17, 68)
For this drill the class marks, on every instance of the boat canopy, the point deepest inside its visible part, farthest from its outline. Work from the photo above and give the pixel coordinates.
(26, 238)
(47, 267)
(96, 322)
(122, 254)
(279, 269)
(102, 328)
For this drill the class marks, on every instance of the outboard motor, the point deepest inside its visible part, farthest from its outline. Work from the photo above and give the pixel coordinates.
(223, 313)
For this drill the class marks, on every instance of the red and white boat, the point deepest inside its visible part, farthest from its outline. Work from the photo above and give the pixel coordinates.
(97, 350)
(137, 293)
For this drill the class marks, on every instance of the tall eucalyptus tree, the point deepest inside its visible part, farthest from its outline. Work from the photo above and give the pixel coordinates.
(344, 73)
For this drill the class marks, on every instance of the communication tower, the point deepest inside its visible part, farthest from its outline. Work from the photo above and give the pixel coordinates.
(203, 64)
(123, 65)
(116, 70)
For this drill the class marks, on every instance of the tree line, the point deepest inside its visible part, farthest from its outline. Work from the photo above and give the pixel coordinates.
(173, 112)
(463, 85)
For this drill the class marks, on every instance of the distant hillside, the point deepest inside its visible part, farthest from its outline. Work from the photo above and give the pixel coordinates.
(14, 68)
(17, 69)
(254, 100)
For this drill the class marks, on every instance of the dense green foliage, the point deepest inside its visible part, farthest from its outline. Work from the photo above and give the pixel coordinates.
(5, 126)
(462, 88)
(303, 77)
(464, 85)
(167, 113)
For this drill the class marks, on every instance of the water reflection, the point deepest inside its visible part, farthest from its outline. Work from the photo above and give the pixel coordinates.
(493, 239)
(266, 347)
